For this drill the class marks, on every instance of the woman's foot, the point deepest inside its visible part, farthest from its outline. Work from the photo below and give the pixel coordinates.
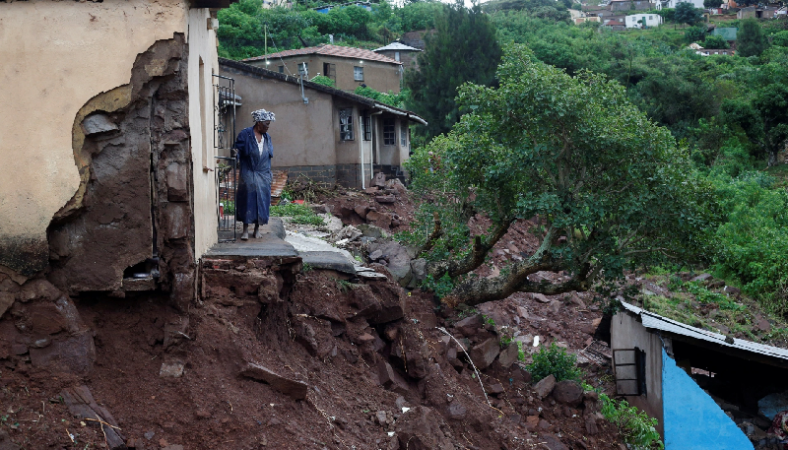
(245, 236)
(257, 233)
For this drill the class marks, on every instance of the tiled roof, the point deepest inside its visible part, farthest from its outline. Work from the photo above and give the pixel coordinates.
(329, 50)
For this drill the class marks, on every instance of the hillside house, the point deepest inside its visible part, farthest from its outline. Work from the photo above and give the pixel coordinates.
(326, 8)
(327, 135)
(727, 33)
(349, 67)
(614, 24)
(706, 389)
(673, 3)
(630, 5)
(118, 193)
(405, 54)
(713, 51)
(756, 12)
(643, 20)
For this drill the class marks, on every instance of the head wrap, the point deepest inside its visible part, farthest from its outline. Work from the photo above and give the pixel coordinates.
(262, 115)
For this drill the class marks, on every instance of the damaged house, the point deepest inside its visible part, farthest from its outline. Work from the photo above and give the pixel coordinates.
(108, 145)
(323, 134)
(708, 390)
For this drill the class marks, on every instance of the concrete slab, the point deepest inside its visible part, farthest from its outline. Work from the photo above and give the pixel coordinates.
(328, 260)
(269, 245)
(274, 226)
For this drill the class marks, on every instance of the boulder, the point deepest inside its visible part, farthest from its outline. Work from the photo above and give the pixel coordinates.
(469, 325)
(296, 390)
(419, 269)
(568, 392)
(551, 442)
(456, 410)
(350, 233)
(385, 198)
(545, 386)
(411, 352)
(361, 210)
(399, 258)
(380, 219)
(484, 353)
(508, 356)
(370, 230)
(379, 303)
(390, 379)
(75, 354)
(702, 277)
(541, 298)
(420, 429)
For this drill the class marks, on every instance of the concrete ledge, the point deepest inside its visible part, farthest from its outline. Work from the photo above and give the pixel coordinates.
(328, 260)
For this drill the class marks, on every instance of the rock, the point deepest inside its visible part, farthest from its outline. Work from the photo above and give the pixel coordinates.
(297, 390)
(456, 410)
(399, 258)
(763, 325)
(380, 180)
(568, 392)
(74, 355)
(378, 303)
(370, 230)
(702, 277)
(350, 233)
(390, 379)
(173, 447)
(494, 389)
(379, 219)
(81, 404)
(484, 354)
(451, 357)
(551, 442)
(412, 352)
(508, 356)
(361, 210)
(149, 435)
(381, 416)
(541, 298)
(555, 306)
(365, 338)
(545, 386)
(172, 369)
(531, 422)
(333, 224)
(419, 269)
(39, 289)
(469, 325)
(385, 199)
(376, 255)
(732, 291)
(420, 429)
(522, 312)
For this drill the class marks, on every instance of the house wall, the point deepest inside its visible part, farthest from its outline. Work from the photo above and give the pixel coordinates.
(382, 77)
(695, 3)
(652, 20)
(349, 153)
(57, 56)
(303, 135)
(627, 333)
(409, 59)
(692, 418)
(203, 57)
(639, 5)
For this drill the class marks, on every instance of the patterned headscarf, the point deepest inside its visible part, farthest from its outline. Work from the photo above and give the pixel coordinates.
(262, 115)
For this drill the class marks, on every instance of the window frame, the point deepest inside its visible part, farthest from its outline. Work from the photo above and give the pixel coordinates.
(366, 125)
(403, 134)
(346, 132)
(389, 136)
(356, 71)
(281, 69)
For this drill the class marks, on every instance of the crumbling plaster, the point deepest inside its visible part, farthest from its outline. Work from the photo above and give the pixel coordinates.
(56, 57)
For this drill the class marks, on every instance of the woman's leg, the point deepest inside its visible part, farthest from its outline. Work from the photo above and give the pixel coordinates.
(245, 234)
(257, 233)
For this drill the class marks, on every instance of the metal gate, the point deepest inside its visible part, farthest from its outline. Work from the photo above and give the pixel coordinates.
(225, 102)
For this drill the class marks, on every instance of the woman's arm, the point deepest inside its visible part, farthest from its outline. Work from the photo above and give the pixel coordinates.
(240, 144)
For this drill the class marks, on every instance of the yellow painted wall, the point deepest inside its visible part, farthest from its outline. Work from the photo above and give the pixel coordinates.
(55, 56)
(203, 57)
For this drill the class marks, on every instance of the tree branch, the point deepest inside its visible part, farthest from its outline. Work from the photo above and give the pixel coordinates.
(437, 232)
(474, 259)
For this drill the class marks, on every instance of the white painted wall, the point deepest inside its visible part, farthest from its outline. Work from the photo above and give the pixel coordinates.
(651, 20)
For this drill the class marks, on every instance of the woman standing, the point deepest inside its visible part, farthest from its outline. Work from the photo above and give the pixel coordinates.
(255, 151)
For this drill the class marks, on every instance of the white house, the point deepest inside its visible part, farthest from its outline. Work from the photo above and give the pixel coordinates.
(639, 20)
(673, 3)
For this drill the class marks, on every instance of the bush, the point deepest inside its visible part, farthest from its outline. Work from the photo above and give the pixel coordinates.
(324, 80)
(299, 213)
(715, 42)
(554, 361)
(636, 427)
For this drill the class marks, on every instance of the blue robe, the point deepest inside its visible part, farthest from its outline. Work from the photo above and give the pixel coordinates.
(253, 198)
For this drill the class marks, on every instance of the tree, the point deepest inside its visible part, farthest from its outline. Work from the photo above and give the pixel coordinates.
(713, 41)
(464, 49)
(686, 12)
(712, 3)
(605, 187)
(695, 34)
(750, 39)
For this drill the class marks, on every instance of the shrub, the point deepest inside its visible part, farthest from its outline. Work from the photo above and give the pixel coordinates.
(299, 213)
(636, 427)
(324, 80)
(554, 361)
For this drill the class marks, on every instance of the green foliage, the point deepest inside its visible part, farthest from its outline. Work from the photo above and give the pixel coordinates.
(324, 80)
(392, 99)
(712, 3)
(450, 59)
(299, 213)
(695, 34)
(780, 38)
(573, 152)
(440, 287)
(685, 12)
(554, 361)
(713, 41)
(636, 427)
(750, 40)
(520, 351)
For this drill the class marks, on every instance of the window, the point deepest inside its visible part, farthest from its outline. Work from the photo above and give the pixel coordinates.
(403, 134)
(358, 73)
(389, 138)
(367, 123)
(630, 369)
(346, 124)
(396, 56)
(281, 69)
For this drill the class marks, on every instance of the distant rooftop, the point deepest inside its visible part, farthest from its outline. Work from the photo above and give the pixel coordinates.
(729, 34)
(329, 50)
(397, 46)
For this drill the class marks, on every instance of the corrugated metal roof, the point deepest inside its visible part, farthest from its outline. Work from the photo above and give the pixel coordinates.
(657, 322)
(329, 50)
(397, 46)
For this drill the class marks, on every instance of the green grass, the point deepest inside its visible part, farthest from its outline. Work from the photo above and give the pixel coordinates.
(301, 214)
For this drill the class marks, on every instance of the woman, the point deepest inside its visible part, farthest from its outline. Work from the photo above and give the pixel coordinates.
(255, 151)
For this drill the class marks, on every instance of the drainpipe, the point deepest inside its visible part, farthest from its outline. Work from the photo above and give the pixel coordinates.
(361, 149)
(374, 136)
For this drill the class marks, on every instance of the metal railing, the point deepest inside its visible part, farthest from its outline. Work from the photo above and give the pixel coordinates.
(225, 103)
(226, 183)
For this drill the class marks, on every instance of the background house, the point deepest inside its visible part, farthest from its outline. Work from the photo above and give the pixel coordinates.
(700, 385)
(673, 3)
(349, 67)
(332, 137)
(630, 5)
(405, 54)
(727, 33)
(118, 193)
(641, 20)
(326, 8)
